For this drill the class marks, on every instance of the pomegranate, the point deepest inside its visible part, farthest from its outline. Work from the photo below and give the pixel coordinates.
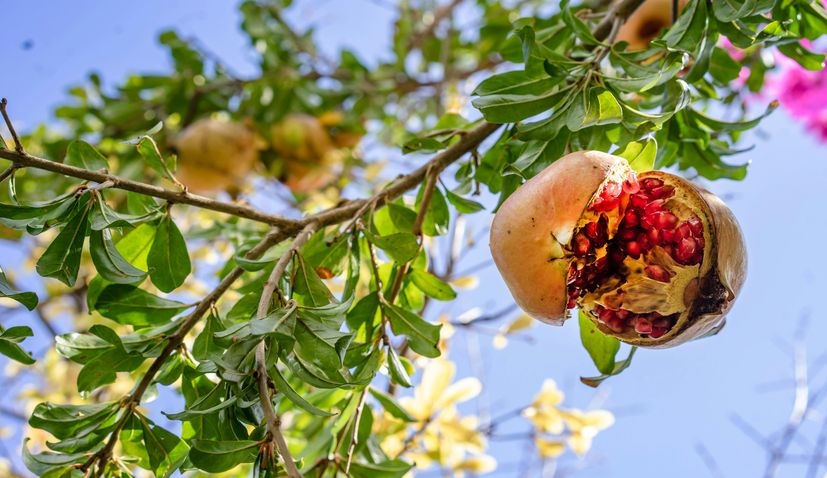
(646, 23)
(651, 258)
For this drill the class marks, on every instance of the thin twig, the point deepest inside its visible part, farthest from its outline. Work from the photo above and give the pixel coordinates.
(818, 452)
(18, 146)
(8, 172)
(175, 341)
(272, 419)
(354, 438)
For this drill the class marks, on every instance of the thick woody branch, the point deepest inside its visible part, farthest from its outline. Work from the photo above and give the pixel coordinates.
(618, 11)
(25, 160)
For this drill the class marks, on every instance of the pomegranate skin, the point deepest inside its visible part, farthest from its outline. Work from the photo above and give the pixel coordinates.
(537, 221)
(532, 232)
(646, 23)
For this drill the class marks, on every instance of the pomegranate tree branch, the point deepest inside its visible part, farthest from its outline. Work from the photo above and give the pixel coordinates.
(175, 341)
(25, 160)
(619, 10)
(18, 146)
(272, 420)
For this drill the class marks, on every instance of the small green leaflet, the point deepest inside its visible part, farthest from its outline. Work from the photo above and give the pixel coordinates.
(64, 421)
(284, 387)
(640, 154)
(596, 107)
(388, 469)
(168, 259)
(219, 456)
(9, 344)
(601, 348)
(399, 375)
(61, 260)
(108, 261)
(400, 247)
(618, 367)
(431, 285)
(166, 452)
(82, 155)
(465, 206)
(423, 336)
(128, 304)
(148, 150)
(391, 406)
(51, 464)
(27, 299)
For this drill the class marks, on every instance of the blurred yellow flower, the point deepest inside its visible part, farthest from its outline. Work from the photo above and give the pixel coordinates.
(543, 411)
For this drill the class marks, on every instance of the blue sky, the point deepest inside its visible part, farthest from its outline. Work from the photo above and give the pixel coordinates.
(669, 401)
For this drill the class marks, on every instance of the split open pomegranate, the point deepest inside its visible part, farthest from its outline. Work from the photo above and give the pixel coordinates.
(651, 258)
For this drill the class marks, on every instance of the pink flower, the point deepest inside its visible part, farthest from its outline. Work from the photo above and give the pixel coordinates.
(818, 126)
(802, 92)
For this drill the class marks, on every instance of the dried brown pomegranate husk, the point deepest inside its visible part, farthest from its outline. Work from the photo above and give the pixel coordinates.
(538, 232)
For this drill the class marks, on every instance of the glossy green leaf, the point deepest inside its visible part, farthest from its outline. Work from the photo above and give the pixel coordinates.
(423, 336)
(108, 261)
(61, 260)
(729, 10)
(463, 205)
(391, 406)
(168, 259)
(10, 344)
(148, 150)
(27, 299)
(309, 286)
(601, 348)
(82, 155)
(284, 387)
(431, 285)
(618, 368)
(640, 154)
(400, 247)
(399, 375)
(219, 456)
(687, 32)
(204, 345)
(388, 469)
(596, 107)
(165, 450)
(127, 304)
(64, 421)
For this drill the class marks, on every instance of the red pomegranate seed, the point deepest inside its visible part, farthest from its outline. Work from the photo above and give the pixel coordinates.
(666, 220)
(688, 246)
(696, 225)
(616, 324)
(651, 183)
(626, 234)
(610, 204)
(612, 189)
(616, 256)
(662, 192)
(658, 332)
(657, 272)
(633, 249)
(644, 242)
(623, 313)
(654, 236)
(654, 206)
(630, 218)
(606, 315)
(581, 245)
(640, 200)
(591, 230)
(630, 185)
(642, 326)
(647, 222)
(662, 323)
(669, 236)
(684, 231)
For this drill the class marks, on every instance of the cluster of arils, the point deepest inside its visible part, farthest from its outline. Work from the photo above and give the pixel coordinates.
(646, 222)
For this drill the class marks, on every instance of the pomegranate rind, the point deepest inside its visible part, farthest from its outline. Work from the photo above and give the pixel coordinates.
(646, 23)
(215, 155)
(535, 224)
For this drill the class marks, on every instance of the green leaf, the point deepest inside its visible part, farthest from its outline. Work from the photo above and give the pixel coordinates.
(52, 465)
(64, 421)
(108, 261)
(9, 344)
(596, 107)
(601, 348)
(219, 456)
(431, 285)
(423, 336)
(730, 10)
(165, 450)
(388, 469)
(168, 259)
(399, 375)
(284, 387)
(134, 246)
(465, 206)
(61, 260)
(390, 405)
(309, 286)
(101, 369)
(686, 34)
(578, 26)
(82, 155)
(722, 67)
(127, 304)
(103, 217)
(148, 150)
(519, 82)
(640, 154)
(509, 108)
(804, 57)
(204, 345)
(438, 216)
(618, 368)
(27, 299)
(312, 347)
(401, 247)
